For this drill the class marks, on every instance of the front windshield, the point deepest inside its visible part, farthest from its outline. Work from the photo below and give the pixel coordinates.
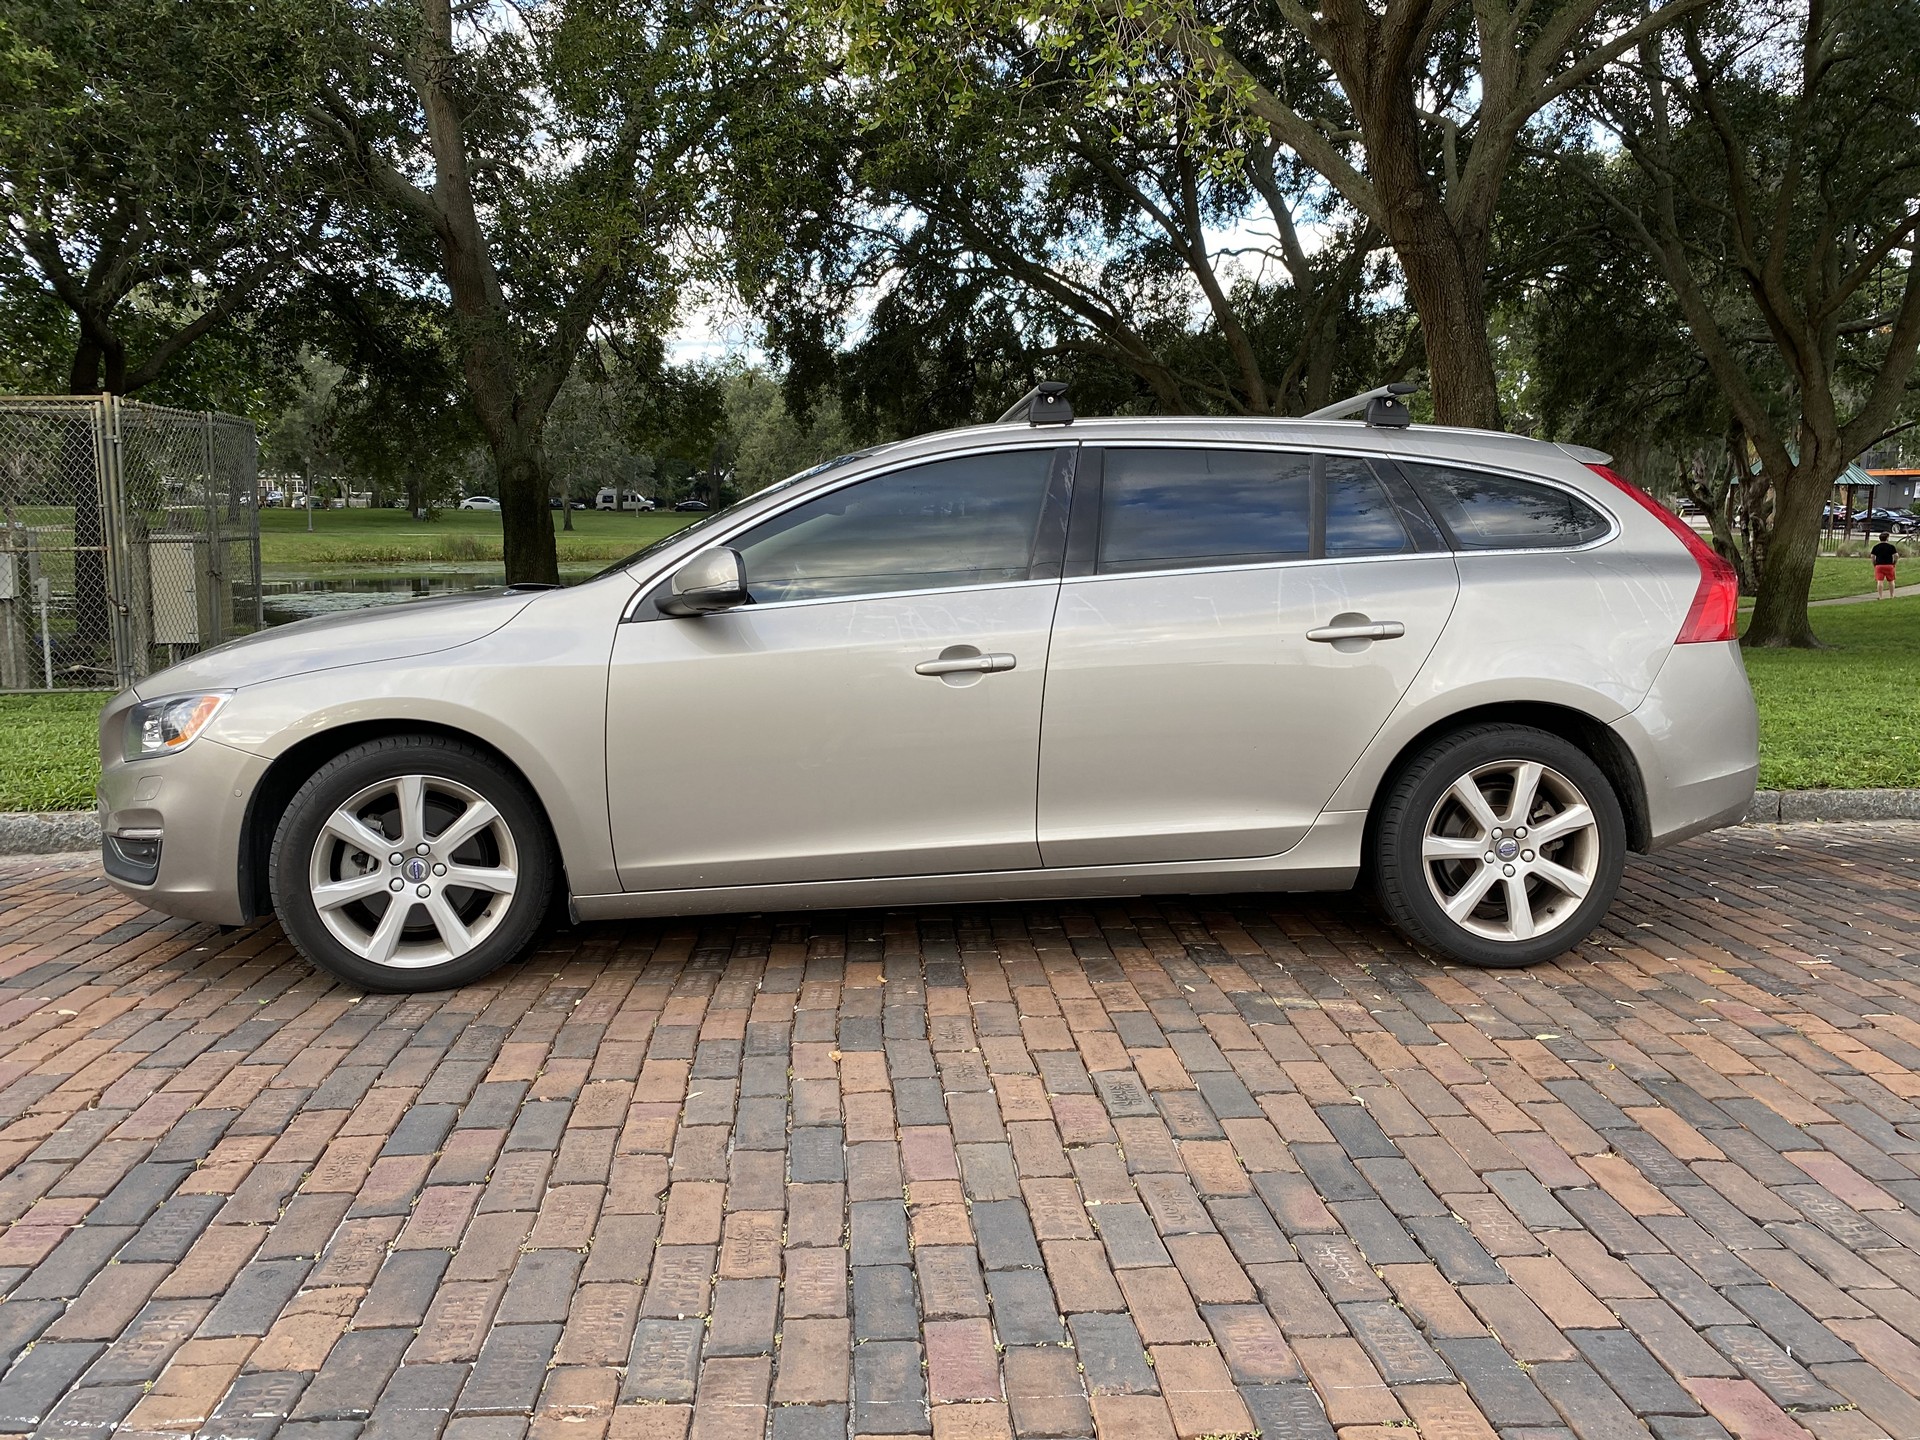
(718, 515)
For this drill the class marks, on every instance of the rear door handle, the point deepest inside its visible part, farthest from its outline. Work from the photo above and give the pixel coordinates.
(960, 664)
(1370, 630)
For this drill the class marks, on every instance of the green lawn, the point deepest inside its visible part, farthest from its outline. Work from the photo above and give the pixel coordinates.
(1837, 576)
(1843, 718)
(1847, 717)
(47, 750)
(387, 537)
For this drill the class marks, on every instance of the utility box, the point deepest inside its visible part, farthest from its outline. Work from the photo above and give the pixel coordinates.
(20, 660)
(181, 594)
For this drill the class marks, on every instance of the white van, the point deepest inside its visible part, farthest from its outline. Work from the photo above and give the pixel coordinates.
(605, 500)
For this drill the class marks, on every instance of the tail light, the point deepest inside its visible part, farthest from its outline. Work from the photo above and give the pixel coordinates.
(1716, 603)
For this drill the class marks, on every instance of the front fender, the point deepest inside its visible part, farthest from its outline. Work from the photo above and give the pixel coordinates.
(534, 690)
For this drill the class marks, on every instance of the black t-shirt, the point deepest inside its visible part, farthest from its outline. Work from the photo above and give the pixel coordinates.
(1885, 554)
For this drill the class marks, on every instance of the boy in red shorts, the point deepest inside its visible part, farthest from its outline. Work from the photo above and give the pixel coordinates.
(1885, 557)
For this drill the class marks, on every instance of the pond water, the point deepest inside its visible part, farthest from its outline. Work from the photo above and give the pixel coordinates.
(300, 597)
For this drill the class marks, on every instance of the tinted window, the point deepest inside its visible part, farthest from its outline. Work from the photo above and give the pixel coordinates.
(1494, 512)
(968, 521)
(1161, 509)
(1361, 520)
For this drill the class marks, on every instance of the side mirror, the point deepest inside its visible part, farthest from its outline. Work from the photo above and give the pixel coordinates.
(713, 580)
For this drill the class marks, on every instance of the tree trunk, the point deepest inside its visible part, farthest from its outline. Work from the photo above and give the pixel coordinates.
(1780, 612)
(1446, 275)
(526, 524)
(1450, 300)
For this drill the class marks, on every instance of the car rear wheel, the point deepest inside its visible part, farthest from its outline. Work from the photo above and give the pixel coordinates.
(1499, 846)
(412, 863)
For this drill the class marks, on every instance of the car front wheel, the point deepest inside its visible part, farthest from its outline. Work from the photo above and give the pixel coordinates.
(412, 863)
(1499, 846)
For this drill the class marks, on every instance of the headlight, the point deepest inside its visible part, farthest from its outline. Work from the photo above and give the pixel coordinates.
(161, 727)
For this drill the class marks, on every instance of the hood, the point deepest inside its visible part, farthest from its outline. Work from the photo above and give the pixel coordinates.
(388, 632)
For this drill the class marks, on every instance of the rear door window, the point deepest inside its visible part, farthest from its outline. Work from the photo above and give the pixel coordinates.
(1173, 509)
(1498, 512)
(1361, 519)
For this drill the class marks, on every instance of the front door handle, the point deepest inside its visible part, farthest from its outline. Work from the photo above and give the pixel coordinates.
(960, 664)
(1358, 630)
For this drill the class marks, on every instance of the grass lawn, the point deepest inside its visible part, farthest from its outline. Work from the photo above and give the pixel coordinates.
(47, 747)
(387, 537)
(1843, 718)
(1847, 717)
(1837, 576)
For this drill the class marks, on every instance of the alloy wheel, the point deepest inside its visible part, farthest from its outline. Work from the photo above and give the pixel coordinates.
(413, 871)
(1511, 850)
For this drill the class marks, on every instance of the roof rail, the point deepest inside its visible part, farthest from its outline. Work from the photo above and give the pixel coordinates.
(1382, 405)
(1045, 404)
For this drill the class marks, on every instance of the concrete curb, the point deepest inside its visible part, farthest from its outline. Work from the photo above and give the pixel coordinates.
(52, 832)
(1787, 807)
(60, 832)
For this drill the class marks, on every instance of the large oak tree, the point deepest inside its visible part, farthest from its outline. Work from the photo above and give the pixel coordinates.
(1412, 117)
(565, 162)
(1776, 163)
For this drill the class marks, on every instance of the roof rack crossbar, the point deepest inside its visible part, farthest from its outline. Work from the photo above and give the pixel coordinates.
(1045, 404)
(1392, 414)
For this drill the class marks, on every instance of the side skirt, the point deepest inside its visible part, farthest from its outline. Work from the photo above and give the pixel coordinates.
(1327, 859)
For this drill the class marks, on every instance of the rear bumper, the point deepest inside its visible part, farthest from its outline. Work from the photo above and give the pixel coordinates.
(193, 805)
(1696, 740)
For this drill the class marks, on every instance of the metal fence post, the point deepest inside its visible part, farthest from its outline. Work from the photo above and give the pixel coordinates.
(118, 564)
(253, 513)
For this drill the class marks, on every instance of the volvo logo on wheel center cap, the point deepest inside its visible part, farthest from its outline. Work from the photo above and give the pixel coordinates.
(1507, 849)
(417, 869)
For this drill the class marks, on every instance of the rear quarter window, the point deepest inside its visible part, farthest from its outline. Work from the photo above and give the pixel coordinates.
(1483, 511)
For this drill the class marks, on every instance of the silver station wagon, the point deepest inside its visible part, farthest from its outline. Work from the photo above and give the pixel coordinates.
(1030, 659)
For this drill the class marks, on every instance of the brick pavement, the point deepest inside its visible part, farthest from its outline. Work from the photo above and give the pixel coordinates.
(1140, 1169)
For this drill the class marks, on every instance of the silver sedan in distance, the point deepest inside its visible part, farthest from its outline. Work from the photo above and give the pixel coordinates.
(1023, 660)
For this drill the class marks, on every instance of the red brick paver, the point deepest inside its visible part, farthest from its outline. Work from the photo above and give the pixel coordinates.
(1144, 1169)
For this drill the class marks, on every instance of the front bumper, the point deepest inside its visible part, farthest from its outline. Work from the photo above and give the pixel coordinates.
(194, 804)
(1696, 740)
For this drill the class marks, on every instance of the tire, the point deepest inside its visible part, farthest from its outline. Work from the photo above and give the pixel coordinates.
(472, 820)
(1431, 847)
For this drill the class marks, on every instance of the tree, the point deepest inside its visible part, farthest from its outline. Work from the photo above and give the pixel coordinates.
(1412, 116)
(587, 444)
(767, 441)
(1788, 172)
(1093, 224)
(561, 158)
(1594, 350)
(152, 172)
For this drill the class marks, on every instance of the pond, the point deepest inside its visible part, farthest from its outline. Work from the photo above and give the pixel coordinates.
(300, 597)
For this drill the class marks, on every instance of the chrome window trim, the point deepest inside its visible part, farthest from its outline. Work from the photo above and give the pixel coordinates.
(1403, 555)
(759, 607)
(1005, 445)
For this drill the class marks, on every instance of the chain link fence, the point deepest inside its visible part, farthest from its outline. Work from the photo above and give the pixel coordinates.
(129, 538)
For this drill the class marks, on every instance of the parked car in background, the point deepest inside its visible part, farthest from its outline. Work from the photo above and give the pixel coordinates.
(691, 504)
(479, 502)
(626, 499)
(556, 503)
(1018, 661)
(1902, 520)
